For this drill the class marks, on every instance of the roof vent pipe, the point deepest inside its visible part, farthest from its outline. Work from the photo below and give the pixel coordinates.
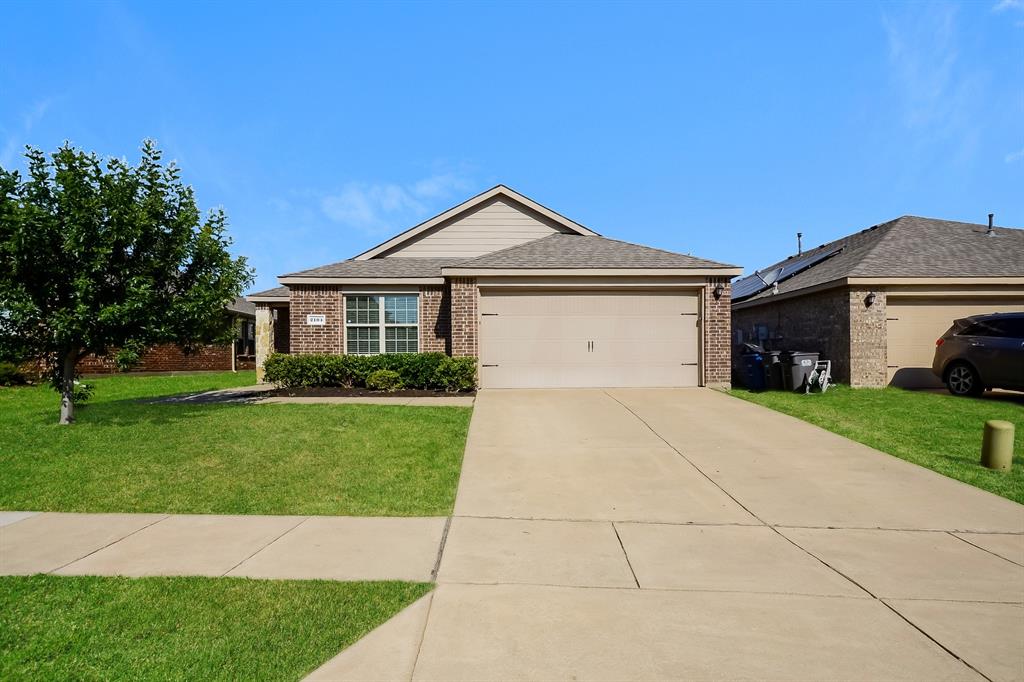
(799, 243)
(990, 230)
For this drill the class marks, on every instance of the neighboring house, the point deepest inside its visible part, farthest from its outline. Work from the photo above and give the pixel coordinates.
(875, 302)
(539, 299)
(168, 357)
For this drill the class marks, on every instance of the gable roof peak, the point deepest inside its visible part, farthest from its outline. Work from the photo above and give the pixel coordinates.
(473, 202)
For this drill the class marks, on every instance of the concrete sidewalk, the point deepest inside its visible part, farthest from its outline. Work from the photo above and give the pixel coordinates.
(682, 534)
(300, 547)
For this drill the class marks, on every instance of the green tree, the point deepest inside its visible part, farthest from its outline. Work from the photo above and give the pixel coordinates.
(99, 256)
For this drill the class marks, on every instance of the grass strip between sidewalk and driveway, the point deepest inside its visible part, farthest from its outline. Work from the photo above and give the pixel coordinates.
(92, 628)
(127, 455)
(934, 430)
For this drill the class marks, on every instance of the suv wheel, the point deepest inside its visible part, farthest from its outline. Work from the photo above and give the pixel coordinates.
(961, 379)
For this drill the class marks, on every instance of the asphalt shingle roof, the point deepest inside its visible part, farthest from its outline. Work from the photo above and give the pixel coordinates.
(243, 307)
(381, 267)
(271, 293)
(574, 251)
(911, 246)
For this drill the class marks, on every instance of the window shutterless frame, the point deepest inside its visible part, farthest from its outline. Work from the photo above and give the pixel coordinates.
(381, 323)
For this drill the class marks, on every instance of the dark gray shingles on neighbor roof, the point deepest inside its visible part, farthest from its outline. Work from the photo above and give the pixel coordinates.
(276, 292)
(381, 267)
(242, 306)
(911, 246)
(573, 251)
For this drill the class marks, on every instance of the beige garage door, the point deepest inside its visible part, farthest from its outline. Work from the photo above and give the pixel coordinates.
(576, 339)
(913, 325)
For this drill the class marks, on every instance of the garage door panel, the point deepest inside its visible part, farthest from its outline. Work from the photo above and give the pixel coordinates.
(588, 338)
(913, 325)
(576, 375)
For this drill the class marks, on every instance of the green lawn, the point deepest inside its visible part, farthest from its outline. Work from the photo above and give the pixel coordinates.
(129, 456)
(934, 430)
(90, 628)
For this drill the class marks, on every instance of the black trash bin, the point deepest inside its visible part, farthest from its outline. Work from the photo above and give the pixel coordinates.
(773, 370)
(796, 368)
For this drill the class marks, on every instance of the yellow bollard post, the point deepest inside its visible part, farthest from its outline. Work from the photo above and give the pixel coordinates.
(997, 445)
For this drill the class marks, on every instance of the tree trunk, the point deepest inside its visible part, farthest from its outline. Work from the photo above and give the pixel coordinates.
(67, 388)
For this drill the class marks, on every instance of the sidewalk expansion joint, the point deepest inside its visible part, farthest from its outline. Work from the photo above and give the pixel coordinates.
(440, 549)
(164, 517)
(960, 537)
(289, 530)
(423, 633)
(626, 555)
(687, 459)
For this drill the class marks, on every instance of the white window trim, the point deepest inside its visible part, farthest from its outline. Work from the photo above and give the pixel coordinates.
(381, 325)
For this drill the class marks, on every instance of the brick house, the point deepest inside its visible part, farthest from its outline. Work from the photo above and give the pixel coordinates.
(874, 302)
(539, 299)
(168, 357)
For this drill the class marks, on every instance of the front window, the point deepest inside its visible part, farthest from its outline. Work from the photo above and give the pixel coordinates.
(365, 326)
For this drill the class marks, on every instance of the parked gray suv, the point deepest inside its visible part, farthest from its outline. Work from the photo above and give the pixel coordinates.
(980, 352)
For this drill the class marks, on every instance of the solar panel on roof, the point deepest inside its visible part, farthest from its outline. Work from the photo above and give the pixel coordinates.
(748, 286)
(759, 281)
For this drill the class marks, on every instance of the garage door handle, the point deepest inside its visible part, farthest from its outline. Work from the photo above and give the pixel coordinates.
(488, 365)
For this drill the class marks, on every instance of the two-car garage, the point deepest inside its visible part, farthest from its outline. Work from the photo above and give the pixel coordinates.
(585, 338)
(914, 323)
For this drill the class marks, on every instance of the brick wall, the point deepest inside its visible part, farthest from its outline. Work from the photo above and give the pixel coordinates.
(435, 318)
(717, 334)
(868, 351)
(818, 322)
(165, 358)
(315, 299)
(464, 306)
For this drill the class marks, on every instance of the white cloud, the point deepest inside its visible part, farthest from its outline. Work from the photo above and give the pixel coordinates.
(1014, 157)
(936, 95)
(381, 207)
(923, 59)
(16, 139)
(440, 186)
(1004, 5)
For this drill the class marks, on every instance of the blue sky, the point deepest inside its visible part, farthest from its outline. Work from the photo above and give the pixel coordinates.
(713, 129)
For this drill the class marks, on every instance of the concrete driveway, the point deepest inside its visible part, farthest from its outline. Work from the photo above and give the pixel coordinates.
(680, 534)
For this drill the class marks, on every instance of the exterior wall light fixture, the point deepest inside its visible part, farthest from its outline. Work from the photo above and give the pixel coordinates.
(719, 290)
(869, 300)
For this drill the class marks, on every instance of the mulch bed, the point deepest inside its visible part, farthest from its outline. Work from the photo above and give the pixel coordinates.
(341, 392)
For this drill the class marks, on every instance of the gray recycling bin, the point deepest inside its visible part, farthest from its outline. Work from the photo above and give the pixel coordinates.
(796, 368)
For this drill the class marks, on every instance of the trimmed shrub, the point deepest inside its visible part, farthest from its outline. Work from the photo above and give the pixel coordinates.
(10, 375)
(458, 374)
(416, 370)
(384, 380)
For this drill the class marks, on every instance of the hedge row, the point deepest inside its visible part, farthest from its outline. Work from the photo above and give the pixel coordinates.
(416, 370)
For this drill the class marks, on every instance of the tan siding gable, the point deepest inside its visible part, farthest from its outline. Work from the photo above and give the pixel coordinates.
(496, 225)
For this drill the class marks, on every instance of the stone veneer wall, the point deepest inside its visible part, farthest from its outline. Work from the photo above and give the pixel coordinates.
(817, 322)
(464, 318)
(868, 339)
(435, 318)
(717, 334)
(316, 299)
